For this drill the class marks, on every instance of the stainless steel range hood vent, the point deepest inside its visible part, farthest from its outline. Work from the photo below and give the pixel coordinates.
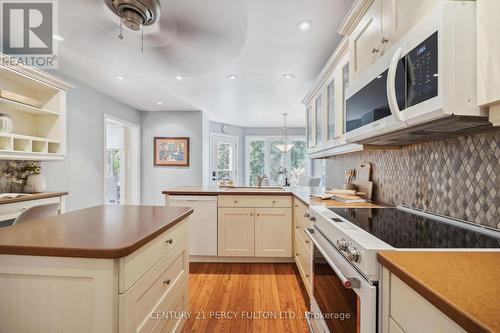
(443, 128)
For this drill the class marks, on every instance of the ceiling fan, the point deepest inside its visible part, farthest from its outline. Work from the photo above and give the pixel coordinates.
(188, 38)
(135, 14)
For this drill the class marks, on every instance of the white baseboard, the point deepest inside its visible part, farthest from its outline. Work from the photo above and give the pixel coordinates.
(239, 259)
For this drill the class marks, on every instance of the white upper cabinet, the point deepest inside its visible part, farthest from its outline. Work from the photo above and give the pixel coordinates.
(488, 53)
(364, 41)
(370, 29)
(35, 102)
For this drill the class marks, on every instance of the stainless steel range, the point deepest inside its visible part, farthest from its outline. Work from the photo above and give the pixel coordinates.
(346, 271)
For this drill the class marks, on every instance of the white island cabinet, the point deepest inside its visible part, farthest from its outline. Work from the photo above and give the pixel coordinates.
(104, 269)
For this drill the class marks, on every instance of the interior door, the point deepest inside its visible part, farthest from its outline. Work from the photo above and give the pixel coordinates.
(223, 159)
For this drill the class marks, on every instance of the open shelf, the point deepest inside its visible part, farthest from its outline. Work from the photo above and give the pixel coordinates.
(38, 132)
(17, 106)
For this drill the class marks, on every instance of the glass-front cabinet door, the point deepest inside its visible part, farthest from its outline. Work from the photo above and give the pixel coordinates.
(319, 120)
(309, 127)
(331, 111)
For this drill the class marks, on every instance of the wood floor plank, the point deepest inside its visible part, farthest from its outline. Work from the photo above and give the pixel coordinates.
(246, 297)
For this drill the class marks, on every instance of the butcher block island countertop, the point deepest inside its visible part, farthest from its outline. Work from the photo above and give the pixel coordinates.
(96, 232)
(463, 285)
(302, 193)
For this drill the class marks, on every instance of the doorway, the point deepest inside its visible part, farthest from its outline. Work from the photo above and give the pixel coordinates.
(121, 162)
(223, 159)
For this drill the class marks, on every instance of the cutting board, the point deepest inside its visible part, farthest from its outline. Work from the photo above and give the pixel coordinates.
(364, 186)
(364, 172)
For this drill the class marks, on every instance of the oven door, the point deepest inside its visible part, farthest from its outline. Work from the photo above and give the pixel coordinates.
(344, 300)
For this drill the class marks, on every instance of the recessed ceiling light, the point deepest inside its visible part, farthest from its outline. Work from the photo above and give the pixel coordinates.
(304, 25)
(119, 77)
(288, 76)
(232, 76)
(159, 103)
(58, 38)
(178, 77)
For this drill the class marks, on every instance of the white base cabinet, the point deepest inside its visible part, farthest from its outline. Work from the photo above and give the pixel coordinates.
(255, 226)
(405, 311)
(143, 292)
(303, 248)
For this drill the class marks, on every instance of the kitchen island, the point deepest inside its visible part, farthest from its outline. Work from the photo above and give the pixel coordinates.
(100, 269)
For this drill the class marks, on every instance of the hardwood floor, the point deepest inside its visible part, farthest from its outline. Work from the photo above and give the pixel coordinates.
(246, 298)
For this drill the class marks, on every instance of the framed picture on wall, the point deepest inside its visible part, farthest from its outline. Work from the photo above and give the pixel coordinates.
(171, 151)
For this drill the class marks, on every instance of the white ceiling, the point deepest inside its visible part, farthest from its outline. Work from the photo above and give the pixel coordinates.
(204, 41)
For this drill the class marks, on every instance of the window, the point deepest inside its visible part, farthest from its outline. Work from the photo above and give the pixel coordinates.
(319, 170)
(263, 158)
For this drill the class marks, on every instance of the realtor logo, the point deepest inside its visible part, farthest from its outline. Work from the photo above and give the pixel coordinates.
(27, 32)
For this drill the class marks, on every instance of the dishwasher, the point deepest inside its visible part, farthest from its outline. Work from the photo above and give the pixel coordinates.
(202, 223)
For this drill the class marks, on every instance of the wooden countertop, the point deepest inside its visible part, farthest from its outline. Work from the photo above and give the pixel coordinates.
(302, 193)
(96, 232)
(463, 285)
(34, 196)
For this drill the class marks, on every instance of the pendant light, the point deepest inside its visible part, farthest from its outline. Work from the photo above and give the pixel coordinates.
(284, 147)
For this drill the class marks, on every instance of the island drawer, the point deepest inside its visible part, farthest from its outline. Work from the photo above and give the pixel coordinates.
(150, 299)
(175, 314)
(135, 265)
(260, 201)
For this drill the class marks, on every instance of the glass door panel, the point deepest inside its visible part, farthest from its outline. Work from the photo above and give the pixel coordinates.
(309, 127)
(319, 122)
(331, 111)
(223, 160)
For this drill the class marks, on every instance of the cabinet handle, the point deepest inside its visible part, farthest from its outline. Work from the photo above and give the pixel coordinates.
(258, 214)
(169, 241)
(307, 276)
(296, 206)
(274, 201)
(297, 227)
(385, 40)
(166, 282)
(251, 214)
(375, 50)
(235, 201)
(297, 254)
(308, 242)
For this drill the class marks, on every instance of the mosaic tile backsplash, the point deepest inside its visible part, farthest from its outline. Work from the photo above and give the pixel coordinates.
(458, 177)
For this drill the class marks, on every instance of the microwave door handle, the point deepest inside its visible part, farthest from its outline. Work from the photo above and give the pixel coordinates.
(348, 283)
(391, 85)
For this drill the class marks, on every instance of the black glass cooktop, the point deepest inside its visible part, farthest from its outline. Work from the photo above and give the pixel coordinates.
(402, 229)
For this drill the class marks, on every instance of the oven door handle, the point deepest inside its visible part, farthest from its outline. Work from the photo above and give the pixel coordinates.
(348, 283)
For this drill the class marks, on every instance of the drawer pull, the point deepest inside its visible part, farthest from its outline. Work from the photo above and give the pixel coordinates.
(297, 227)
(251, 214)
(258, 214)
(308, 242)
(274, 201)
(166, 282)
(169, 241)
(235, 201)
(307, 276)
(297, 254)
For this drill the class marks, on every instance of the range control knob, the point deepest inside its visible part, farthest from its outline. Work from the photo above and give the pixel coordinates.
(342, 244)
(353, 254)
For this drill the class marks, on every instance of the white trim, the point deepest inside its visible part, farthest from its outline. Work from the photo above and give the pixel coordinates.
(127, 123)
(239, 259)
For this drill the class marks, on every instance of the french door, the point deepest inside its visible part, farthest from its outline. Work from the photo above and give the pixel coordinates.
(223, 159)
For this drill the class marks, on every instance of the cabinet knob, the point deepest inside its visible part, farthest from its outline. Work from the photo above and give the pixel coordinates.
(258, 214)
(375, 50)
(251, 214)
(166, 282)
(308, 242)
(235, 201)
(274, 201)
(385, 40)
(297, 254)
(297, 227)
(169, 241)
(307, 276)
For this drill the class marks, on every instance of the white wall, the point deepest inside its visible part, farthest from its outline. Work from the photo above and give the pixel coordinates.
(81, 172)
(170, 124)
